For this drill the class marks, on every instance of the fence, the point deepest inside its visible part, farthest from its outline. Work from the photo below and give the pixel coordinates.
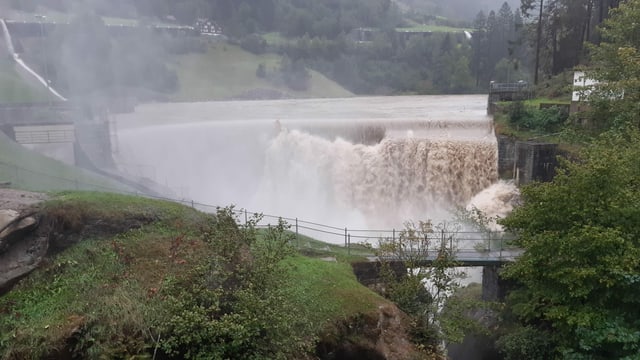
(469, 246)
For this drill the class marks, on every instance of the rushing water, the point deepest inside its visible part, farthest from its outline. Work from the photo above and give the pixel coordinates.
(366, 162)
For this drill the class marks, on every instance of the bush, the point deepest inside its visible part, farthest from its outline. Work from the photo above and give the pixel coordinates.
(525, 343)
(234, 305)
(543, 120)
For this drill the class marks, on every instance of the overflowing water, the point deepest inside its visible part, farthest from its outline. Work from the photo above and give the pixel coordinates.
(372, 162)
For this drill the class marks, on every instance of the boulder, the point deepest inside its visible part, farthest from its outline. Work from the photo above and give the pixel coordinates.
(21, 248)
(21, 258)
(14, 226)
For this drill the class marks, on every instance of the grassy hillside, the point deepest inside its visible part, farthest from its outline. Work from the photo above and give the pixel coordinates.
(13, 89)
(29, 170)
(225, 71)
(131, 294)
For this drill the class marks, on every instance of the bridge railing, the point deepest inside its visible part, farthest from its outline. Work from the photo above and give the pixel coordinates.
(468, 246)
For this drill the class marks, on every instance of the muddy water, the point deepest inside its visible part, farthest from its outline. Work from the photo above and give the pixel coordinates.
(299, 158)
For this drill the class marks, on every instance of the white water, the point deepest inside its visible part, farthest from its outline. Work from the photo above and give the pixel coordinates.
(23, 65)
(438, 153)
(380, 186)
(495, 202)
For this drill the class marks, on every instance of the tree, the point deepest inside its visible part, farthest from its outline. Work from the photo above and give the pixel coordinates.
(425, 290)
(527, 6)
(580, 271)
(616, 63)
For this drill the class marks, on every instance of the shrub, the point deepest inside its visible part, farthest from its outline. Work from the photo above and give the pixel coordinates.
(542, 120)
(234, 304)
(525, 343)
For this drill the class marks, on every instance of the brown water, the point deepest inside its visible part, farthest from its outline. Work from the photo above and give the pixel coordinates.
(297, 158)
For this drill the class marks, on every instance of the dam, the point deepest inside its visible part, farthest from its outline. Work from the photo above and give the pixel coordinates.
(361, 162)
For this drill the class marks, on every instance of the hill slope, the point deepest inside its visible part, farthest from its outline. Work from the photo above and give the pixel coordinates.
(226, 71)
(129, 277)
(13, 89)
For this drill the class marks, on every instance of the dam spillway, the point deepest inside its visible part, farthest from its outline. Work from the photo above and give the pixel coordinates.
(364, 162)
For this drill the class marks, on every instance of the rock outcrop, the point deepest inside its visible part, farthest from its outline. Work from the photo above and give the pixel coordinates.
(22, 248)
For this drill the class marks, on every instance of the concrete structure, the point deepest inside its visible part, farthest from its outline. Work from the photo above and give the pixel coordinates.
(526, 161)
(535, 162)
(507, 92)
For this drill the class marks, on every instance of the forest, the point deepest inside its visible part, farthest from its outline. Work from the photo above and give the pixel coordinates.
(408, 50)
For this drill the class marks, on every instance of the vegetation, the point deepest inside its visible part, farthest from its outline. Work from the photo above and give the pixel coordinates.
(580, 235)
(616, 101)
(577, 292)
(179, 284)
(559, 31)
(425, 293)
(545, 121)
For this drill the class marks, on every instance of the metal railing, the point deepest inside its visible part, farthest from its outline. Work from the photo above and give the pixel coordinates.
(469, 246)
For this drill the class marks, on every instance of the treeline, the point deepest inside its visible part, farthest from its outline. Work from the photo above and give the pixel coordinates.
(423, 63)
(538, 40)
(558, 31)
(242, 17)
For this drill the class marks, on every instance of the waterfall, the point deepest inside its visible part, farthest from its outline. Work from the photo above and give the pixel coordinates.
(368, 162)
(397, 180)
(23, 65)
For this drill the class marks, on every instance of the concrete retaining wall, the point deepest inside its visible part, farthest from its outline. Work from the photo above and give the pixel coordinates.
(526, 161)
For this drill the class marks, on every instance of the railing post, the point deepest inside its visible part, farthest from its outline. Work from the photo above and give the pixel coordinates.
(193, 205)
(297, 237)
(345, 237)
(349, 245)
(394, 235)
(245, 217)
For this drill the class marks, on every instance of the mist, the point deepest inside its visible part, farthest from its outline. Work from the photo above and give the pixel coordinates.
(149, 89)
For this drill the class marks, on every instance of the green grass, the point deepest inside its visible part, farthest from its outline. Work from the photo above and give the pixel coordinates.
(13, 89)
(314, 248)
(28, 170)
(226, 70)
(329, 290)
(118, 207)
(107, 288)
